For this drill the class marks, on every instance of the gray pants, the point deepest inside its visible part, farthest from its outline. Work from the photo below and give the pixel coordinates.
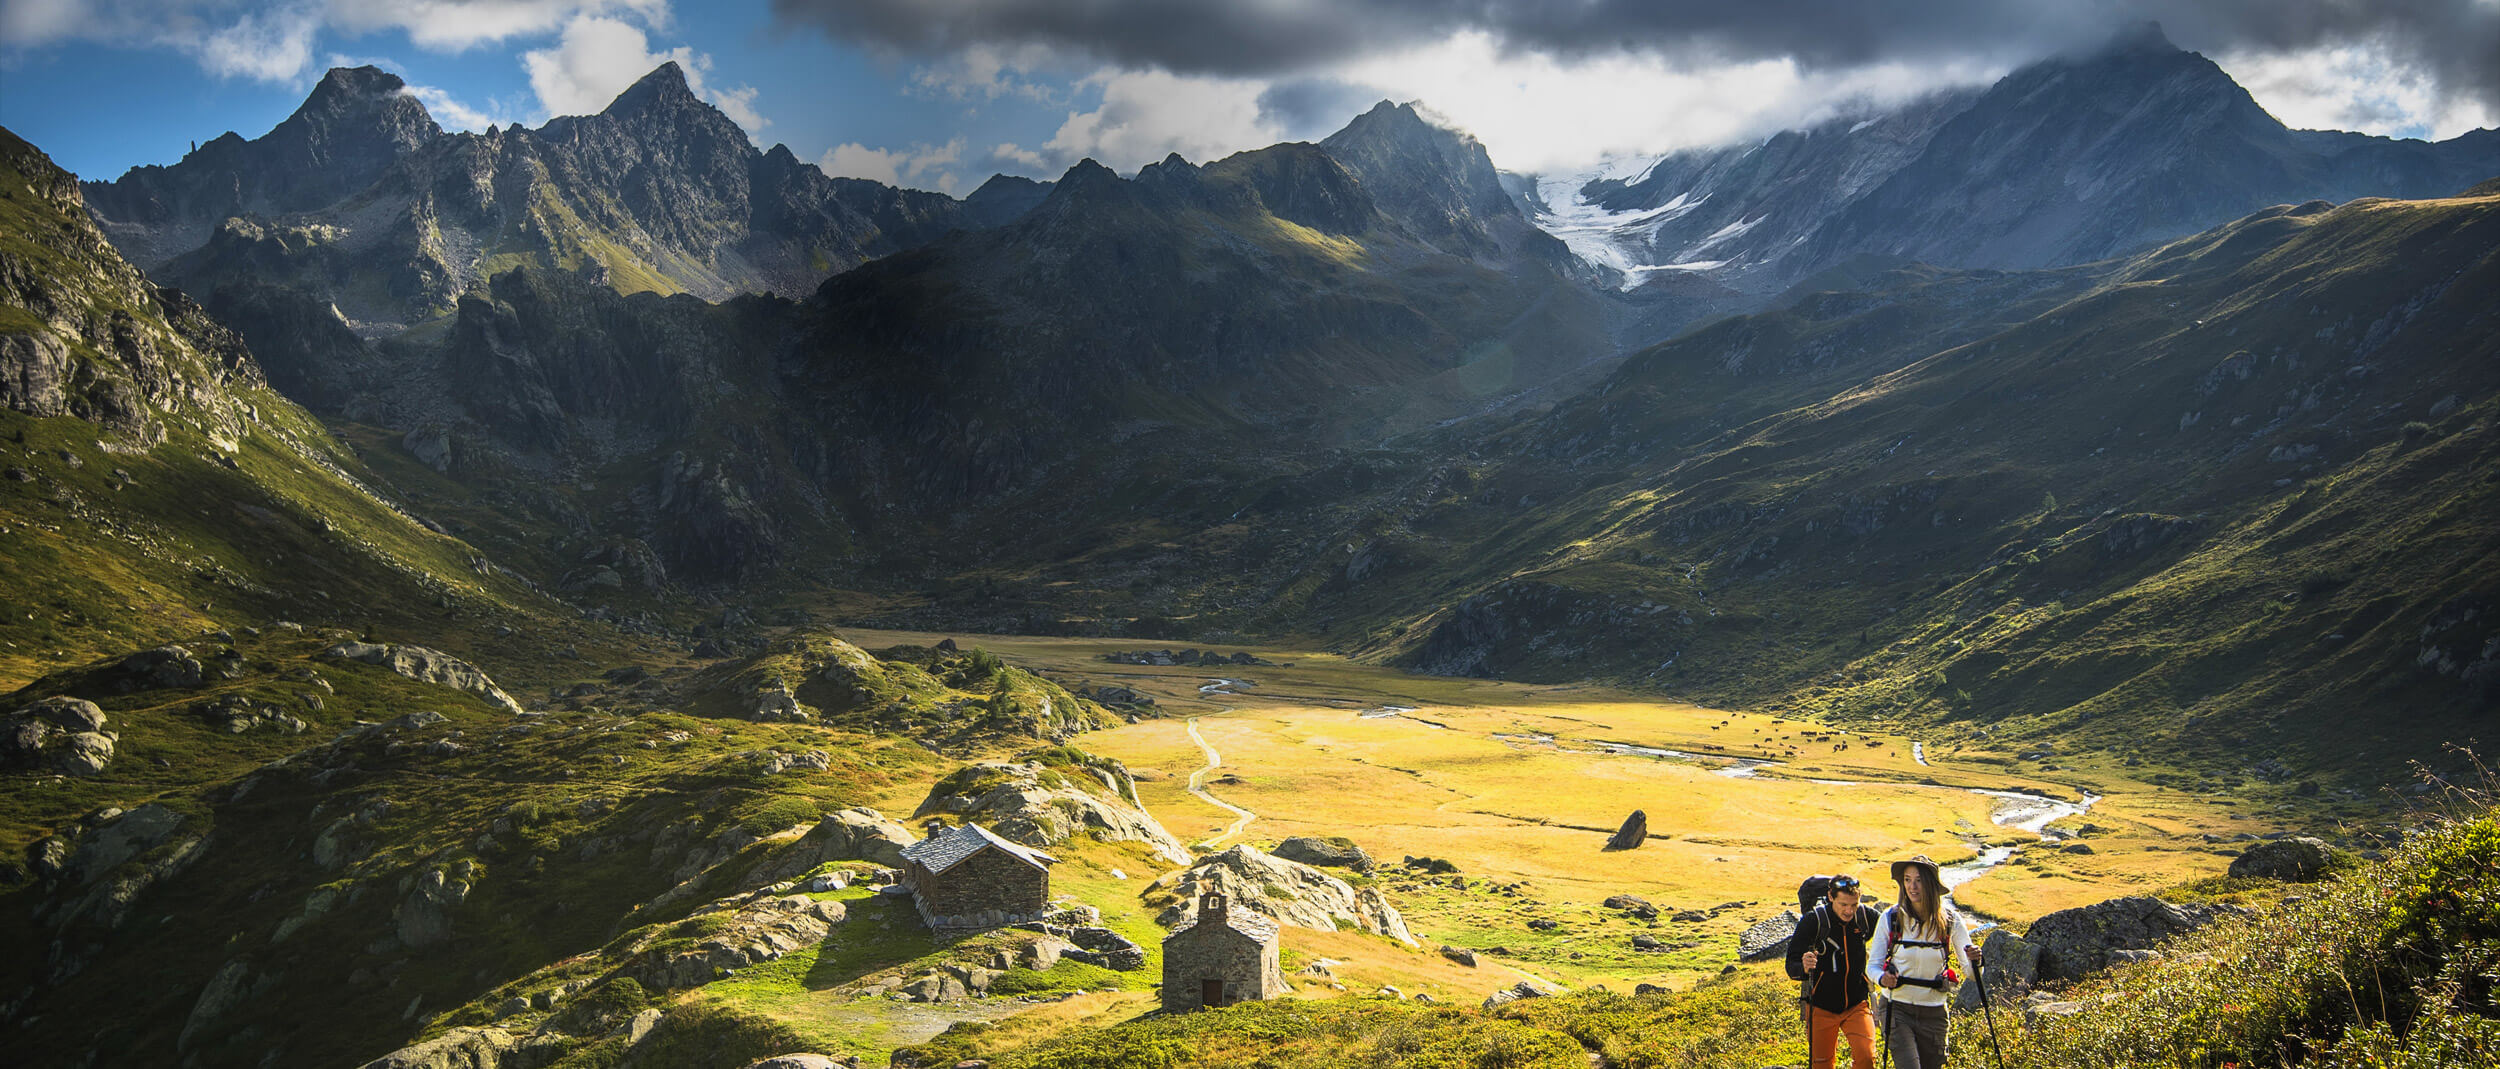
(1914, 1035)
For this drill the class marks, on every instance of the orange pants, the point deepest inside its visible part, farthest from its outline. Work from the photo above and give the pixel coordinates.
(1825, 1029)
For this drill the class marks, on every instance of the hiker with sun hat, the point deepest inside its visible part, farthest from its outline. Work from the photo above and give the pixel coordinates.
(1912, 958)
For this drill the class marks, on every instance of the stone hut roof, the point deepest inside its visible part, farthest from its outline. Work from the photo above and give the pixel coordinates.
(939, 853)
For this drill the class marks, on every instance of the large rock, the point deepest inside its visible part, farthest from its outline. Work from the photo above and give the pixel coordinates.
(1042, 806)
(424, 916)
(157, 669)
(57, 735)
(1767, 939)
(1107, 948)
(1632, 834)
(2301, 859)
(857, 833)
(802, 1061)
(1289, 891)
(1329, 853)
(475, 1048)
(2009, 964)
(428, 666)
(122, 838)
(759, 928)
(2077, 942)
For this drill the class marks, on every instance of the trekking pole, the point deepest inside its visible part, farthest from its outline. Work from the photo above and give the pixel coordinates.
(1980, 973)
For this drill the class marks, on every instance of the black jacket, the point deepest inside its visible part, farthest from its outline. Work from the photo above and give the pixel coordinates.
(1839, 979)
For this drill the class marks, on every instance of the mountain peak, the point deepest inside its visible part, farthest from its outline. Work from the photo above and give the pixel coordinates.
(354, 83)
(664, 86)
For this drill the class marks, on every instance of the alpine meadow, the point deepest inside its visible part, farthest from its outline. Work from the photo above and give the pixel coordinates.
(1892, 532)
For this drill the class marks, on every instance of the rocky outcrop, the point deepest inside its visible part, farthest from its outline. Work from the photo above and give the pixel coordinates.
(2301, 859)
(759, 928)
(424, 917)
(2075, 943)
(1334, 852)
(428, 666)
(2009, 966)
(1287, 891)
(857, 833)
(1039, 805)
(1767, 939)
(63, 735)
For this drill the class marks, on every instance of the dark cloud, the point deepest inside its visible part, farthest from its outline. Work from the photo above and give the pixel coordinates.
(2457, 41)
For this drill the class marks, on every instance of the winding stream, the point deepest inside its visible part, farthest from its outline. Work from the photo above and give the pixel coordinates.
(2013, 809)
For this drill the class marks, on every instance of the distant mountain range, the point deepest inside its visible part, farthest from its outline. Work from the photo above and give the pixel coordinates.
(2065, 161)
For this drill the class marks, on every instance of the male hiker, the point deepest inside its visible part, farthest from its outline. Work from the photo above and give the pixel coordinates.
(1827, 955)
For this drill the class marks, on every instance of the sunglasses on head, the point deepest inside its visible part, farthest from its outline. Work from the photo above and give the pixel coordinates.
(1844, 883)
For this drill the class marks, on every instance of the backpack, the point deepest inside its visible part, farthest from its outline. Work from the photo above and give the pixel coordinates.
(1811, 893)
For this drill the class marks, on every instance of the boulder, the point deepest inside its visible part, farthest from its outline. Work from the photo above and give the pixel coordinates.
(428, 666)
(157, 669)
(459, 1048)
(801, 1061)
(1768, 938)
(1288, 891)
(1646, 941)
(424, 916)
(1332, 852)
(1107, 948)
(1460, 955)
(2009, 966)
(1634, 905)
(1513, 993)
(2301, 859)
(1041, 806)
(1632, 834)
(2077, 942)
(1044, 952)
(760, 928)
(63, 735)
(122, 838)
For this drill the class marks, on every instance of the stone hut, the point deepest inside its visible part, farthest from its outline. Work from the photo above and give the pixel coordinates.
(969, 878)
(1221, 957)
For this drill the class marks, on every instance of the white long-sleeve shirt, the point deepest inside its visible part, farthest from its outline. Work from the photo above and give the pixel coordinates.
(1922, 962)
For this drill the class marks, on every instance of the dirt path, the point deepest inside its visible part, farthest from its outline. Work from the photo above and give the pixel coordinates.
(1197, 787)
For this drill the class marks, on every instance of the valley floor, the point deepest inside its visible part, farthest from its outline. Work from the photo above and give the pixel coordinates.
(1520, 786)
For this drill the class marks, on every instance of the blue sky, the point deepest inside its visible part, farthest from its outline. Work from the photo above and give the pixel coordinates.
(938, 95)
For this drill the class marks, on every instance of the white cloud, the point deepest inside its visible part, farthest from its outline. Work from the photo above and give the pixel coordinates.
(2354, 87)
(452, 25)
(274, 42)
(455, 115)
(920, 166)
(1146, 115)
(1008, 154)
(599, 57)
(988, 72)
(272, 46)
(1538, 113)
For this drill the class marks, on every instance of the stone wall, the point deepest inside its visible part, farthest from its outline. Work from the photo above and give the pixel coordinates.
(1249, 967)
(987, 890)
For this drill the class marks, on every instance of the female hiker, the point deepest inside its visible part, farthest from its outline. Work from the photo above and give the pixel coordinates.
(1915, 942)
(1827, 954)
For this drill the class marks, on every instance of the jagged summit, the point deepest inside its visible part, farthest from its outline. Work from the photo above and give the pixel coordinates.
(665, 86)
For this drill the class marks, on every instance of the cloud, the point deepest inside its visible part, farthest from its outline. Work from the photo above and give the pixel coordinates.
(1146, 115)
(274, 42)
(599, 57)
(1009, 156)
(1541, 113)
(987, 72)
(2354, 87)
(917, 167)
(2453, 42)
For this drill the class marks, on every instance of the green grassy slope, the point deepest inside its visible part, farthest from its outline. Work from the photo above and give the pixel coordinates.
(2230, 500)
